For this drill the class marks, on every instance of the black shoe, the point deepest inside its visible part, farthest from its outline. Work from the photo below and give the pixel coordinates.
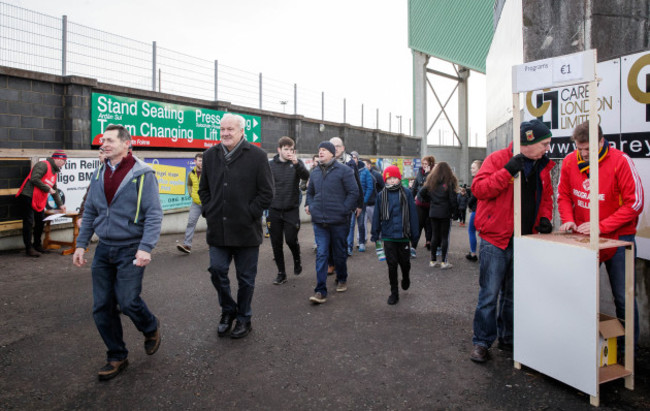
(152, 341)
(280, 279)
(393, 299)
(40, 249)
(241, 329)
(406, 283)
(297, 267)
(479, 354)
(32, 253)
(471, 257)
(504, 346)
(225, 324)
(112, 369)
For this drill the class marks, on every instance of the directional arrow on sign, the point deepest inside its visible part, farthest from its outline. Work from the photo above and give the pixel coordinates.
(255, 137)
(255, 123)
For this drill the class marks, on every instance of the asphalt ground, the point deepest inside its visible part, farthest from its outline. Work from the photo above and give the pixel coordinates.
(353, 352)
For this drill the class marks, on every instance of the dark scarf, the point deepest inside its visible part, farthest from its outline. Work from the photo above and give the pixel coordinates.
(228, 155)
(113, 179)
(385, 212)
(583, 165)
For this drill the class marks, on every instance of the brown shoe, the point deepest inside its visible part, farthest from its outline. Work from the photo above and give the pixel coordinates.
(112, 369)
(479, 354)
(152, 341)
(32, 253)
(184, 248)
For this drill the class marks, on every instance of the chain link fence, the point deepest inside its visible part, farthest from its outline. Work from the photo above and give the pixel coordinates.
(34, 41)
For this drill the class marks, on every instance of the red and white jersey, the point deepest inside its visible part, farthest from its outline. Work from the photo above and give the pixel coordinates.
(620, 193)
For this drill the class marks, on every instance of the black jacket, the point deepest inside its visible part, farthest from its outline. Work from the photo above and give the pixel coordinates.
(418, 183)
(443, 202)
(234, 196)
(286, 178)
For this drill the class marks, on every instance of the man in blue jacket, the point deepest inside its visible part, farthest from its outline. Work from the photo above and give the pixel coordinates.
(332, 196)
(123, 208)
(369, 196)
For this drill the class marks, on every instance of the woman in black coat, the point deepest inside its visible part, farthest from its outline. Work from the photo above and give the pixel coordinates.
(420, 205)
(440, 190)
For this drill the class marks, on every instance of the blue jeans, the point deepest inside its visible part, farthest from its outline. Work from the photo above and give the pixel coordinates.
(117, 281)
(362, 227)
(246, 271)
(496, 276)
(616, 271)
(334, 235)
(192, 218)
(471, 231)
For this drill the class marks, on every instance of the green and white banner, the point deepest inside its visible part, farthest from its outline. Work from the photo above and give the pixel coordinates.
(158, 124)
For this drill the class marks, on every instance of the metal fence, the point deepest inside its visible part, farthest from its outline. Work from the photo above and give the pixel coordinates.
(34, 41)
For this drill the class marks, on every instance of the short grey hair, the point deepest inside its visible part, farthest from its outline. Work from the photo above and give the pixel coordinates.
(240, 120)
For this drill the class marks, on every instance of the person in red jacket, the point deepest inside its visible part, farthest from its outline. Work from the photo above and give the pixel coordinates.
(621, 201)
(493, 186)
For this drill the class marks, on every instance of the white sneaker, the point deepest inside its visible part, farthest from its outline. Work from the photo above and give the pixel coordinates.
(434, 264)
(445, 266)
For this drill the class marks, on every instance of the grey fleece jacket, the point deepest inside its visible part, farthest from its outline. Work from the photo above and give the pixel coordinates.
(116, 224)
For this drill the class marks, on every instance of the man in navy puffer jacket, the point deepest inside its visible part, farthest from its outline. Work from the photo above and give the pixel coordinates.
(332, 195)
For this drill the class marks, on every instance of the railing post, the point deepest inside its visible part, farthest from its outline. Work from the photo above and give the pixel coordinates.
(295, 98)
(344, 111)
(64, 46)
(322, 105)
(377, 119)
(153, 69)
(260, 91)
(362, 115)
(216, 80)
(390, 122)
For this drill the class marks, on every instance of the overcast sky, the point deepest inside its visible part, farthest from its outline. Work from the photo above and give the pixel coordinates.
(356, 49)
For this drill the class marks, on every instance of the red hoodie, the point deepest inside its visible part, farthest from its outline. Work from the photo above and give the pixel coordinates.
(493, 187)
(619, 190)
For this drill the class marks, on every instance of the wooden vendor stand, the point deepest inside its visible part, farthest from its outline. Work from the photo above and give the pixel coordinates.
(50, 244)
(558, 328)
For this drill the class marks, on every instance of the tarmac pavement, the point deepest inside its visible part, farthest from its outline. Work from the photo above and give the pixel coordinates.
(353, 352)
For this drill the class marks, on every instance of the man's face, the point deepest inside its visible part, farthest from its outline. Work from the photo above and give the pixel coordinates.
(324, 155)
(231, 133)
(199, 163)
(338, 145)
(60, 162)
(114, 148)
(101, 155)
(286, 153)
(537, 150)
(583, 148)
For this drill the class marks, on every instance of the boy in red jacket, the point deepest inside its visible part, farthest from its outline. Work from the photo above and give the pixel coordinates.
(621, 201)
(493, 186)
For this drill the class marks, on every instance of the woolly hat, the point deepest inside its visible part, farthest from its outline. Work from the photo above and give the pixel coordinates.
(532, 132)
(327, 146)
(354, 154)
(392, 171)
(60, 154)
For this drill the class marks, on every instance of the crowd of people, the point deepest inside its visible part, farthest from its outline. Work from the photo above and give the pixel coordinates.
(234, 183)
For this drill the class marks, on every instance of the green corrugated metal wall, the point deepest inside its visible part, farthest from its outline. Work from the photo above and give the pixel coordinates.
(459, 31)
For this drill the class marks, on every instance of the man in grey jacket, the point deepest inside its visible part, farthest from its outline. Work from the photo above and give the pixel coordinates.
(123, 208)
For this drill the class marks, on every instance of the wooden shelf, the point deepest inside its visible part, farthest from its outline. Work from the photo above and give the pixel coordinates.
(612, 372)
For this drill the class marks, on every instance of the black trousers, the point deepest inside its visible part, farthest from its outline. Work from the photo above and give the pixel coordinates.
(31, 218)
(424, 222)
(284, 223)
(441, 228)
(397, 253)
(461, 215)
